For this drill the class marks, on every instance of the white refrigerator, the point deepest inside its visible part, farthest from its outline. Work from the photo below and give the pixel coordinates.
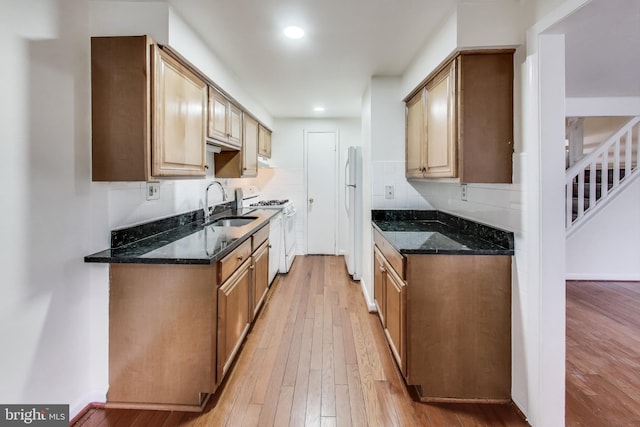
(353, 206)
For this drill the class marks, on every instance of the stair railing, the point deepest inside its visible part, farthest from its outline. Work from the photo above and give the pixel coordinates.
(614, 154)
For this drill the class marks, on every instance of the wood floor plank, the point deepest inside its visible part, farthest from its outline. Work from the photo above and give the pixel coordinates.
(328, 369)
(339, 361)
(343, 411)
(299, 406)
(285, 402)
(356, 397)
(314, 398)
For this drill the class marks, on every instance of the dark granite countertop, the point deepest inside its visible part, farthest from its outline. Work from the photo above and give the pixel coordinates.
(435, 232)
(181, 239)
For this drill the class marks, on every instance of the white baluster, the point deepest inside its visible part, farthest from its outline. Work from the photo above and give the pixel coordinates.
(581, 193)
(592, 185)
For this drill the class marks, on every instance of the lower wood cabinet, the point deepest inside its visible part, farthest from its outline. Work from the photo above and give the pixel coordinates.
(447, 319)
(260, 279)
(390, 296)
(234, 315)
(174, 330)
(162, 336)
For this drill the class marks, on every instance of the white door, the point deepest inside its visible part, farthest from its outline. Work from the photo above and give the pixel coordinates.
(321, 192)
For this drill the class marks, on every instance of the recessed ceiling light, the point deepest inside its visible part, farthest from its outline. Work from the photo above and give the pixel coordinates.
(294, 32)
(318, 109)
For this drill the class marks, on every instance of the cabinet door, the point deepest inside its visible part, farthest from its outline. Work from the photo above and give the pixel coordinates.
(415, 134)
(250, 147)
(217, 116)
(264, 142)
(179, 123)
(260, 276)
(395, 306)
(235, 126)
(233, 316)
(378, 283)
(441, 138)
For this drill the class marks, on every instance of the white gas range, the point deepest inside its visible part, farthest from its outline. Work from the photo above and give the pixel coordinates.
(282, 237)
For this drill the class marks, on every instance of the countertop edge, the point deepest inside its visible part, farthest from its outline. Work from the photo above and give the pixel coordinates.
(103, 257)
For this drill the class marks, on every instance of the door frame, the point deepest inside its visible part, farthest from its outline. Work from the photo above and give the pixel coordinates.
(336, 165)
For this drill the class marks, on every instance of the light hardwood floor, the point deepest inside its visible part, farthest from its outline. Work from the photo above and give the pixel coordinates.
(315, 357)
(603, 354)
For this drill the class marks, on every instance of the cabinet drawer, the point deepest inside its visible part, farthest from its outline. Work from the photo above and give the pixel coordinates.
(260, 236)
(229, 264)
(394, 258)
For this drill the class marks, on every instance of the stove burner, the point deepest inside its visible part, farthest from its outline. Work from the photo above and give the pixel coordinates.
(270, 202)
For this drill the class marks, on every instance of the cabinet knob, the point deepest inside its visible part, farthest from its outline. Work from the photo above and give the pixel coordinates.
(269, 246)
(239, 257)
(251, 267)
(382, 269)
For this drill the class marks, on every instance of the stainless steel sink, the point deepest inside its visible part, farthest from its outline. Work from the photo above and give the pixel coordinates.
(233, 221)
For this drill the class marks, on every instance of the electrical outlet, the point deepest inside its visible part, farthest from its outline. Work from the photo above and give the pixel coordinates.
(153, 190)
(389, 192)
(463, 192)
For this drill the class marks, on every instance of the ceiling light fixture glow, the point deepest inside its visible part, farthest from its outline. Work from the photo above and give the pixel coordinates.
(294, 32)
(318, 109)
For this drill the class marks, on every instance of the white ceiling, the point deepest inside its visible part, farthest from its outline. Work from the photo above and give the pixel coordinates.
(346, 42)
(602, 46)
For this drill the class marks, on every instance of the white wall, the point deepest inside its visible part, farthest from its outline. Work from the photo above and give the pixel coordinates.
(387, 148)
(605, 247)
(46, 298)
(287, 176)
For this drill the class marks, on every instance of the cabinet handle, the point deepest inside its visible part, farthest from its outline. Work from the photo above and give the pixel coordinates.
(239, 257)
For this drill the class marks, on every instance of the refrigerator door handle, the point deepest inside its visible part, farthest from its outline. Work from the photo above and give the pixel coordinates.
(346, 187)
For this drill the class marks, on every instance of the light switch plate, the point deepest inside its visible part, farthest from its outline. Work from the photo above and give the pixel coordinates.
(153, 190)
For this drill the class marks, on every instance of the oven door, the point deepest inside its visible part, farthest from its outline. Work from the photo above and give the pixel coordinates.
(289, 225)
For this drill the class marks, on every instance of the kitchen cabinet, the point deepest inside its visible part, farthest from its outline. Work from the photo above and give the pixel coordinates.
(390, 295)
(234, 315)
(174, 329)
(224, 121)
(447, 319)
(243, 163)
(241, 295)
(162, 335)
(148, 112)
(459, 123)
(264, 142)
(260, 278)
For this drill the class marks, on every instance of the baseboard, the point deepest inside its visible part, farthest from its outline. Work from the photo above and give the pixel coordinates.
(518, 408)
(94, 399)
(602, 277)
(371, 306)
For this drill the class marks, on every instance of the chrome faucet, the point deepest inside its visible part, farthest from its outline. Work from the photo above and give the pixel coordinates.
(206, 198)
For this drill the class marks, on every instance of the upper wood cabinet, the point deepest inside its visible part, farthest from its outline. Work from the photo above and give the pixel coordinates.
(459, 124)
(250, 147)
(225, 120)
(148, 112)
(243, 163)
(264, 142)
